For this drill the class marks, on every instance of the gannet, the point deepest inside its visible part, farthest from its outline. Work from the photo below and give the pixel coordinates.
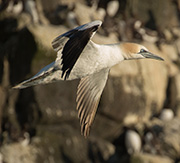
(78, 57)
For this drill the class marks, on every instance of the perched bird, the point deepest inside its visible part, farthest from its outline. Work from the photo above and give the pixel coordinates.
(80, 58)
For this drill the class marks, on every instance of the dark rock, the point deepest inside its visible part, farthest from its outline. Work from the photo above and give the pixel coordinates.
(135, 90)
(17, 50)
(152, 12)
(174, 94)
(165, 138)
(143, 158)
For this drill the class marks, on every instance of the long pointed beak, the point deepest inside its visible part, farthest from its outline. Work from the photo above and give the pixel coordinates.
(151, 56)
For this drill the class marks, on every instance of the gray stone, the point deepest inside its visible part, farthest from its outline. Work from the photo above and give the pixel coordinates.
(165, 138)
(151, 13)
(170, 139)
(86, 14)
(148, 158)
(132, 142)
(166, 115)
(16, 152)
(135, 90)
(112, 8)
(175, 94)
(171, 51)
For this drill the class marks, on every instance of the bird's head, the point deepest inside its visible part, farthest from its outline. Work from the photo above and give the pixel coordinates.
(137, 51)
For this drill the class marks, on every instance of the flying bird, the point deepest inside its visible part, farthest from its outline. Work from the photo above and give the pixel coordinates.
(78, 57)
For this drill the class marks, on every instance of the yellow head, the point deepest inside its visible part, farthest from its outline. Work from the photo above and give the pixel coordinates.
(137, 51)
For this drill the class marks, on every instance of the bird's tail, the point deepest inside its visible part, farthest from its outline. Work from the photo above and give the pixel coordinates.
(46, 75)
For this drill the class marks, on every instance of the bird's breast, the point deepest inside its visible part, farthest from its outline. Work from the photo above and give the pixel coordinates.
(95, 58)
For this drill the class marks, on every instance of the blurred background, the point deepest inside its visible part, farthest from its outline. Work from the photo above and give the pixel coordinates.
(138, 118)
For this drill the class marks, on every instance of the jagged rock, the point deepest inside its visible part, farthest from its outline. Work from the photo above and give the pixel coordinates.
(135, 89)
(17, 50)
(30, 7)
(45, 34)
(166, 115)
(177, 42)
(151, 13)
(101, 149)
(86, 14)
(168, 35)
(59, 107)
(175, 94)
(64, 143)
(40, 10)
(144, 158)
(176, 32)
(4, 89)
(71, 20)
(165, 138)
(170, 51)
(170, 139)
(1, 158)
(14, 8)
(16, 152)
(60, 143)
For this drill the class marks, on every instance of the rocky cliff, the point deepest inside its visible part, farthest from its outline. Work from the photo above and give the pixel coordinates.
(40, 124)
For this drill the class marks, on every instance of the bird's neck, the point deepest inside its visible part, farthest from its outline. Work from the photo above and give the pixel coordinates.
(112, 53)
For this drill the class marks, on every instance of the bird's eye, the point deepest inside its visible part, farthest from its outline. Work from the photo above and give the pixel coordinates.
(142, 51)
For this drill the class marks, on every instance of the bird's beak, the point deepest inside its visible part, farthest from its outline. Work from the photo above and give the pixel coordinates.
(151, 56)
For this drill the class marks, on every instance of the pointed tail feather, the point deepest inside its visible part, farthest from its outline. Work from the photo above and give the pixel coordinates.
(44, 76)
(31, 82)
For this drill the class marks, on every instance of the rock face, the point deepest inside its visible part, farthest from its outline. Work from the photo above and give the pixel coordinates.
(135, 93)
(170, 138)
(142, 158)
(175, 94)
(11, 153)
(165, 138)
(151, 13)
(133, 142)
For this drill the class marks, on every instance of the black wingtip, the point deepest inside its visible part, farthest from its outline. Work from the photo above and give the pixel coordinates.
(65, 74)
(78, 39)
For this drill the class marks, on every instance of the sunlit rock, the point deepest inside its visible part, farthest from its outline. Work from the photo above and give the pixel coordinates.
(166, 115)
(132, 142)
(112, 8)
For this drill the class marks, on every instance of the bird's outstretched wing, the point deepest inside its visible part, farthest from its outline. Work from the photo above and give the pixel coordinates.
(72, 44)
(88, 95)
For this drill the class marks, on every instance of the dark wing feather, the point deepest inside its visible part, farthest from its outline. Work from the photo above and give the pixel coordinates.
(59, 42)
(88, 95)
(73, 48)
(72, 44)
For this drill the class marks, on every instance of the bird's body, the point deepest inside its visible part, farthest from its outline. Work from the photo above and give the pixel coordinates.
(80, 58)
(98, 57)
